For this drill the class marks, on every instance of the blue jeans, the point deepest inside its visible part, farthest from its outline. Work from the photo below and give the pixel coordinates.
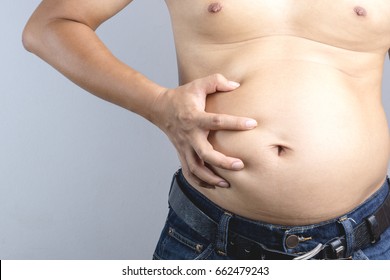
(178, 240)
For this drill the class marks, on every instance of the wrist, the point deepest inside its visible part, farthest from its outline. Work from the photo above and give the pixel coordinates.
(156, 110)
(141, 95)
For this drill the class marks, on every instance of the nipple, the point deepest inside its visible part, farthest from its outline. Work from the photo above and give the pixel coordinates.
(361, 12)
(214, 8)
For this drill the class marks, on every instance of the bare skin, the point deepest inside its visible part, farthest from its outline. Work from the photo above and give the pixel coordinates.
(310, 75)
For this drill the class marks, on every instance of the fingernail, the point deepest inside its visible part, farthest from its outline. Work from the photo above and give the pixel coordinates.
(223, 184)
(237, 165)
(251, 123)
(234, 84)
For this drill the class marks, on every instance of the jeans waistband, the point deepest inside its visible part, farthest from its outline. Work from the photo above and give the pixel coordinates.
(272, 236)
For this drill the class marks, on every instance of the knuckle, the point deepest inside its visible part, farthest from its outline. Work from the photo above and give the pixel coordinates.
(193, 168)
(204, 150)
(238, 123)
(187, 172)
(196, 86)
(218, 77)
(203, 155)
(217, 121)
(219, 164)
(186, 117)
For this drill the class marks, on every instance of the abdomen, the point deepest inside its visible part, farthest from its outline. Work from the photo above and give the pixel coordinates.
(320, 147)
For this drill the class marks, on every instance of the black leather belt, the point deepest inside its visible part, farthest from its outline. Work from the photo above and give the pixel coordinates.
(239, 247)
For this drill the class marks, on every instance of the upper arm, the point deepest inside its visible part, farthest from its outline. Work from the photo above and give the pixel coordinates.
(89, 12)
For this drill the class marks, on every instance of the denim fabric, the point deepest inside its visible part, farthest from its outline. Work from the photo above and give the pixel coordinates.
(179, 241)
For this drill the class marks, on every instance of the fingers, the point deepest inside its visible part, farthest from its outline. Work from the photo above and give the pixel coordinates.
(216, 82)
(201, 174)
(207, 154)
(188, 125)
(198, 155)
(211, 121)
(212, 84)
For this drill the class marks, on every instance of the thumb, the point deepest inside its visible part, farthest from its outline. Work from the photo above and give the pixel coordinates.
(218, 82)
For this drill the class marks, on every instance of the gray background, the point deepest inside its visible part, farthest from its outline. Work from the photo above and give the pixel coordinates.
(81, 178)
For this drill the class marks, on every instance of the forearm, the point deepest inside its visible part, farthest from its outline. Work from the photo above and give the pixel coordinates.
(74, 49)
(62, 33)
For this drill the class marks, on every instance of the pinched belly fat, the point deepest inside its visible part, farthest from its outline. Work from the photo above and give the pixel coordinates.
(320, 148)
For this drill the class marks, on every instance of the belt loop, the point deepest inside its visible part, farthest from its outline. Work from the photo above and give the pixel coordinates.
(222, 234)
(349, 237)
(373, 229)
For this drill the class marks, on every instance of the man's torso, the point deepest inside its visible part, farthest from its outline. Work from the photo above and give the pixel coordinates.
(310, 74)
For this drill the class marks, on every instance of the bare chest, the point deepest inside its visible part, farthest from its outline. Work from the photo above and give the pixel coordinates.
(362, 25)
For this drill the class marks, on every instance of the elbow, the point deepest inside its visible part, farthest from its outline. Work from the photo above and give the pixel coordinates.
(30, 37)
(34, 34)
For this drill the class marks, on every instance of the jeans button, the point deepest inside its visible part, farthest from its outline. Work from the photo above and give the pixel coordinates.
(292, 241)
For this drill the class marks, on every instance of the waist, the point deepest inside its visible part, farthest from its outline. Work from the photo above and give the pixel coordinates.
(288, 239)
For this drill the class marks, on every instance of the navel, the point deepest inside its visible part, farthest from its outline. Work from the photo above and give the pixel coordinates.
(360, 11)
(214, 7)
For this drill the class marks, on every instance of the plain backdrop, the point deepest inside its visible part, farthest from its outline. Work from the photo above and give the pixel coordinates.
(81, 178)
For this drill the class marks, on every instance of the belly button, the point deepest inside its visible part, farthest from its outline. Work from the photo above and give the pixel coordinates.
(280, 150)
(360, 11)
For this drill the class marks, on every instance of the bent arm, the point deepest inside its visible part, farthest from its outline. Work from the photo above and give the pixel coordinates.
(63, 34)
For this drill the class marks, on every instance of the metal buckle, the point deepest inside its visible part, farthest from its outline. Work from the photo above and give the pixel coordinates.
(311, 253)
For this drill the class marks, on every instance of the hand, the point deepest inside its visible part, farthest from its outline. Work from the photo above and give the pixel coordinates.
(180, 113)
